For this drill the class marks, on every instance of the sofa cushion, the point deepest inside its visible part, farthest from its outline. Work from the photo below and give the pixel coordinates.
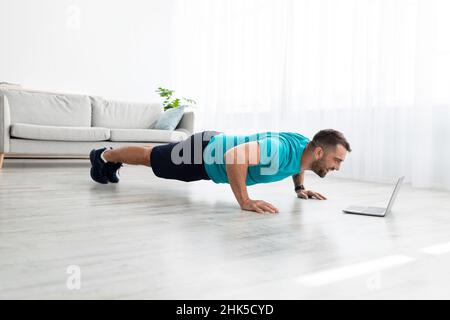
(147, 135)
(59, 133)
(9, 85)
(124, 115)
(48, 109)
(170, 119)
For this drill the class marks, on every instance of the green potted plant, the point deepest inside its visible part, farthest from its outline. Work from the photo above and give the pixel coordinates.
(172, 102)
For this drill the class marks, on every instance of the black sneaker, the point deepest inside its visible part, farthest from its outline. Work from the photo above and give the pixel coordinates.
(98, 169)
(111, 170)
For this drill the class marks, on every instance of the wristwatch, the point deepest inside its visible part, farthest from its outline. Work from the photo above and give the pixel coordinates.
(300, 187)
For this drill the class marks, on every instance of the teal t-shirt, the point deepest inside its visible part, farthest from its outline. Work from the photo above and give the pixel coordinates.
(281, 154)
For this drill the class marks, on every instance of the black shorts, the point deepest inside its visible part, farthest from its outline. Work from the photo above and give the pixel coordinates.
(182, 160)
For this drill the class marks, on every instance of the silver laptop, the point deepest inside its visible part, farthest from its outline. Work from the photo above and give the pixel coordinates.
(376, 211)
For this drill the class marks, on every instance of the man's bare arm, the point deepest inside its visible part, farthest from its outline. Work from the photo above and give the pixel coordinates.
(237, 161)
(298, 178)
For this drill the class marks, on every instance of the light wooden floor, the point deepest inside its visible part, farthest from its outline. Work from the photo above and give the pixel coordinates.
(160, 239)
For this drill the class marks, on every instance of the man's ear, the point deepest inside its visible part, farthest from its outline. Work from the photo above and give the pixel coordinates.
(318, 153)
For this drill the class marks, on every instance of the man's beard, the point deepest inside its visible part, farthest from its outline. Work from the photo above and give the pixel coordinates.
(319, 168)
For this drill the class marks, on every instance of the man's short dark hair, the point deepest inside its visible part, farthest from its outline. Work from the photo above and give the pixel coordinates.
(330, 138)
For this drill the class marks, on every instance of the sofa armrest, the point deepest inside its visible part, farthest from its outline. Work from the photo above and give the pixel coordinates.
(187, 122)
(5, 123)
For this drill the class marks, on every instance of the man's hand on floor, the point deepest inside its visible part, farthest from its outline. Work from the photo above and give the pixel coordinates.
(308, 194)
(258, 206)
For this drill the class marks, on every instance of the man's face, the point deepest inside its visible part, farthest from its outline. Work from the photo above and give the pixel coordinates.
(328, 159)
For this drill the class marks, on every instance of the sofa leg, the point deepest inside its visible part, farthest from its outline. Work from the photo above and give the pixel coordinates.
(2, 156)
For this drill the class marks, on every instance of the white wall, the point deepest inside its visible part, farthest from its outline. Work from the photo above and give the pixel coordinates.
(118, 49)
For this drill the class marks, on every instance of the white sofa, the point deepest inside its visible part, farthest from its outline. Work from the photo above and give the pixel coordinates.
(36, 124)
